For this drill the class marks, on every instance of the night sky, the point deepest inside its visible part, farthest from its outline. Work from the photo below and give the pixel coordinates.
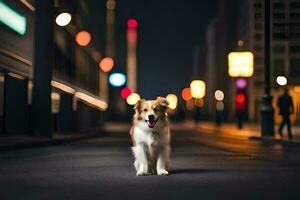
(167, 34)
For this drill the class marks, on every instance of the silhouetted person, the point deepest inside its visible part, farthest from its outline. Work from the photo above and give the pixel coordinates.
(286, 108)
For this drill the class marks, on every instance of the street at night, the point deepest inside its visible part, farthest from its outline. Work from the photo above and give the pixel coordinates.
(145, 99)
(102, 168)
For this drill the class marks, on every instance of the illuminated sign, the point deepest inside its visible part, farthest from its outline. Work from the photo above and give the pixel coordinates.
(12, 19)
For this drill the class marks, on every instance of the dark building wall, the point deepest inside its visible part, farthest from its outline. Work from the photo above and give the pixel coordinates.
(73, 65)
(222, 35)
(16, 51)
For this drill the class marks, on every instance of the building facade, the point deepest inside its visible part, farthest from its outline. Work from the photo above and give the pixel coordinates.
(285, 48)
(77, 103)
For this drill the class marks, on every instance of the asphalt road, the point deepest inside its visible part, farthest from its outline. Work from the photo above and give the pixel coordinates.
(204, 166)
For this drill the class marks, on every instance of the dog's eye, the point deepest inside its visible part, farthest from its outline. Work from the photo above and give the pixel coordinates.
(145, 110)
(156, 109)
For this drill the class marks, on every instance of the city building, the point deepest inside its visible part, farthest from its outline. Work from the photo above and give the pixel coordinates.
(77, 103)
(220, 40)
(285, 49)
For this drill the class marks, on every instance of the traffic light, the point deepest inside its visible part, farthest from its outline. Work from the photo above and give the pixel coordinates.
(240, 101)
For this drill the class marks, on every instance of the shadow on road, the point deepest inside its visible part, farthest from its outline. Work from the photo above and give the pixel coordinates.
(196, 171)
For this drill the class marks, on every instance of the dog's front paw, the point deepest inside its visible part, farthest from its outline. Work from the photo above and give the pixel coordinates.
(141, 173)
(162, 172)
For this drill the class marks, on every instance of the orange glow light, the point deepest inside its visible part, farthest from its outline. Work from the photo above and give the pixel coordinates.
(106, 64)
(83, 38)
(186, 94)
(199, 102)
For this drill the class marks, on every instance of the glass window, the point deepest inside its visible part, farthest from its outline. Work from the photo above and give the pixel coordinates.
(295, 49)
(295, 68)
(295, 5)
(279, 16)
(258, 36)
(257, 15)
(278, 5)
(278, 67)
(279, 36)
(257, 5)
(258, 26)
(278, 49)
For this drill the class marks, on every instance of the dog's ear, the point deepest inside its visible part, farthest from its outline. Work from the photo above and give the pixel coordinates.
(162, 102)
(137, 106)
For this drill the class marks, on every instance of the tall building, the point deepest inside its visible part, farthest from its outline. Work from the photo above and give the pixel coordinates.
(220, 40)
(285, 48)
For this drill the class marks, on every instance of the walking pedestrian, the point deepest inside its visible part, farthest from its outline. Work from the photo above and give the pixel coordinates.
(286, 108)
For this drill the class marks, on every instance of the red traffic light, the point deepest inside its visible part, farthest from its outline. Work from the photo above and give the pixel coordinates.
(240, 98)
(132, 23)
(240, 101)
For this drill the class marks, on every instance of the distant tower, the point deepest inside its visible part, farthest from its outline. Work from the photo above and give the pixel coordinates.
(131, 54)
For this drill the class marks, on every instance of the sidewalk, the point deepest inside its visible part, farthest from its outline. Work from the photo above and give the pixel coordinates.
(250, 131)
(20, 142)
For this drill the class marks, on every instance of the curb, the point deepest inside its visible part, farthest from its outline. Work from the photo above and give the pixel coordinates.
(272, 139)
(44, 143)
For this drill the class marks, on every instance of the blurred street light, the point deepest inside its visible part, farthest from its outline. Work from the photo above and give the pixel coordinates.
(133, 98)
(197, 89)
(199, 102)
(132, 23)
(281, 80)
(240, 83)
(186, 94)
(240, 64)
(106, 64)
(117, 79)
(220, 106)
(83, 38)
(219, 95)
(173, 100)
(126, 92)
(63, 19)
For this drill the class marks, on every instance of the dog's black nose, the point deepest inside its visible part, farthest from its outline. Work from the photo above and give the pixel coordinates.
(151, 117)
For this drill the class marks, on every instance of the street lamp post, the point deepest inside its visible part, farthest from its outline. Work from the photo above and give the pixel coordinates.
(267, 111)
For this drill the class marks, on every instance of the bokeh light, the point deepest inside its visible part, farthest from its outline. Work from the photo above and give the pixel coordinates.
(125, 92)
(240, 98)
(240, 64)
(220, 106)
(241, 83)
(132, 23)
(173, 100)
(133, 98)
(63, 19)
(83, 38)
(117, 79)
(186, 94)
(219, 95)
(281, 80)
(199, 102)
(197, 89)
(106, 64)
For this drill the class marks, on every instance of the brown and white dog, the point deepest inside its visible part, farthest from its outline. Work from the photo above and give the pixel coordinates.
(150, 135)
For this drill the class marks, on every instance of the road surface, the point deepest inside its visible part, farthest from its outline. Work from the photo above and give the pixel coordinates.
(204, 166)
